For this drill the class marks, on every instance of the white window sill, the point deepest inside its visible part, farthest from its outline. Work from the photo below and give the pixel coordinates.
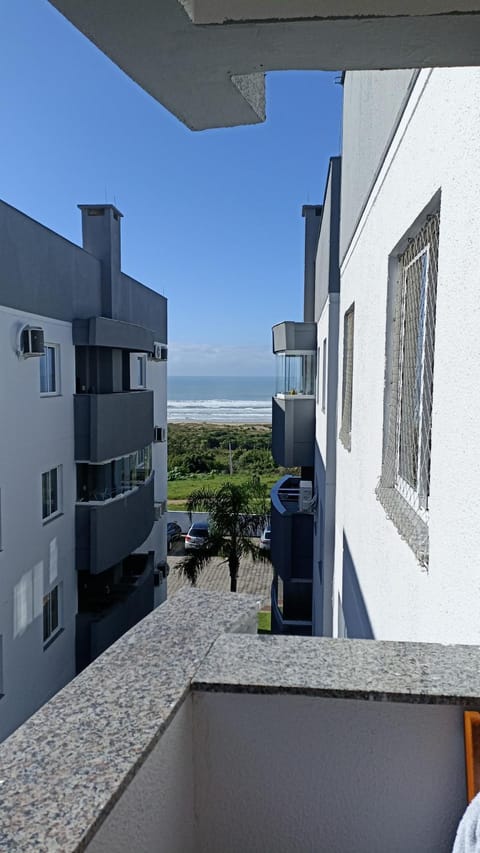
(52, 517)
(51, 639)
(50, 394)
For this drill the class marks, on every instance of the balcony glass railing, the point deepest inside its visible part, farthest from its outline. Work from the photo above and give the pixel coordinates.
(295, 374)
(105, 482)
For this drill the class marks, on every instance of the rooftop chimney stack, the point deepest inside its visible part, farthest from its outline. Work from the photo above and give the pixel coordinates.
(312, 214)
(101, 237)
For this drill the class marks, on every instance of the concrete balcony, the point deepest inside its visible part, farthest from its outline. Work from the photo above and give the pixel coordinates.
(112, 425)
(108, 531)
(292, 532)
(188, 736)
(293, 430)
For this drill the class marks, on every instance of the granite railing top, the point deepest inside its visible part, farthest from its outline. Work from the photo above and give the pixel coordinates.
(62, 772)
(64, 769)
(427, 673)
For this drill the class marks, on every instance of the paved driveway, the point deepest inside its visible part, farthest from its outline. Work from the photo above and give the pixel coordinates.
(253, 577)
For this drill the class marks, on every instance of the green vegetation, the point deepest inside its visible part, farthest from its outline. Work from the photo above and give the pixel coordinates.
(264, 622)
(236, 512)
(199, 456)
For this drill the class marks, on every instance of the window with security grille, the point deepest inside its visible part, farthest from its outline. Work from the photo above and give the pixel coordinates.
(345, 433)
(405, 480)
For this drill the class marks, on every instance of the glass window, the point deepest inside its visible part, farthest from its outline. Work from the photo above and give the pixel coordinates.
(296, 374)
(138, 371)
(51, 618)
(404, 485)
(51, 493)
(49, 369)
(324, 374)
(345, 434)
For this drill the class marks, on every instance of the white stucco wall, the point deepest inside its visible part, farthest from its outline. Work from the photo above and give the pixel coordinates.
(296, 773)
(156, 812)
(36, 435)
(436, 148)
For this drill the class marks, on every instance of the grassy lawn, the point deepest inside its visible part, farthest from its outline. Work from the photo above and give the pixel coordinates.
(179, 490)
(264, 621)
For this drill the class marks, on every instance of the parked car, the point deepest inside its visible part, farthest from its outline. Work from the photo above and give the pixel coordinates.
(197, 535)
(174, 533)
(265, 539)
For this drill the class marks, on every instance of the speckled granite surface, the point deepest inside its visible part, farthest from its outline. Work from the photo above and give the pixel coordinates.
(63, 770)
(357, 669)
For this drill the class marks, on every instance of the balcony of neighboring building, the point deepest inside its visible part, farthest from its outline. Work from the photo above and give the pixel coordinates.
(110, 425)
(191, 734)
(292, 530)
(112, 522)
(111, 603)
(293, 407)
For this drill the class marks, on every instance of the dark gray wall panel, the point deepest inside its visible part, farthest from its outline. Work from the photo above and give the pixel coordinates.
(112, 425)
(109, 532)
(138, 304)
(293, 431)
(41, 273)
(105, 332)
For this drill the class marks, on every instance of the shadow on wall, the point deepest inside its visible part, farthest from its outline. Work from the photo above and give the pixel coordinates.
(355, 612)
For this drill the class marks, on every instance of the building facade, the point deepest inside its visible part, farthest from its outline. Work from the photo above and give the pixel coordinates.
(394, 490)
(82, 453)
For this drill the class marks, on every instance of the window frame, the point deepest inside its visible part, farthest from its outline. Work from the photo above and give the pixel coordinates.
(416, 495)
(324, 375)
(55, 348)
(54, 629)
(410, 389)
(138, 360)
(54, 513)
(345, 433)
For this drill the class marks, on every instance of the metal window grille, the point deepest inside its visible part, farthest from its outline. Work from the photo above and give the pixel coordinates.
(345, 433)
(404, 485)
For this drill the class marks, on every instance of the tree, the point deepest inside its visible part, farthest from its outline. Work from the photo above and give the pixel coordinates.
(236, 513)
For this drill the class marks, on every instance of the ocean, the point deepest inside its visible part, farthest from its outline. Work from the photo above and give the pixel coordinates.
(220, 399)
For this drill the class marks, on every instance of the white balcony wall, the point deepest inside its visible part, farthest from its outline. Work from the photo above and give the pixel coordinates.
(156, 812)
(434, 150)
(37, 435)
(297, 773)
(252, 772)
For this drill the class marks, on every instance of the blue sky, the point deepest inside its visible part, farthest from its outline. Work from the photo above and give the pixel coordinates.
(212, 220)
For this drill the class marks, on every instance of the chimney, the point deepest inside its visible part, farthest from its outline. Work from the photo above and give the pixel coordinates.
(313, 217)
(101, 237)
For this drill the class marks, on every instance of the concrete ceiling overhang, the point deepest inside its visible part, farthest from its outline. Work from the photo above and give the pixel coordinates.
(247, 11)
(213, 75)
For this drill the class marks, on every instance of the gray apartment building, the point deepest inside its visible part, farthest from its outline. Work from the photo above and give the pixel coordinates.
(82, 453)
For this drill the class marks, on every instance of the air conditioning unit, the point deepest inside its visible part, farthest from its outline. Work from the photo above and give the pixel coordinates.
(160, 352)
(32, 342)
(305, 490)
(159, 433)
(160, 509)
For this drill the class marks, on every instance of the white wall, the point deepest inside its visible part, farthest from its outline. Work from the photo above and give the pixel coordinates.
(36, 435)
(436, 148)
(296, 773)
(156, 812)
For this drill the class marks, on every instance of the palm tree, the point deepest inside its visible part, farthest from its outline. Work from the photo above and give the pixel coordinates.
(235, 514)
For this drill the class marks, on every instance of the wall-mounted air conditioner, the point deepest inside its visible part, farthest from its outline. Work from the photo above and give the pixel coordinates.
(160, 352)
(160, 509)
(159, 433)
(31, 342)
(305, 496)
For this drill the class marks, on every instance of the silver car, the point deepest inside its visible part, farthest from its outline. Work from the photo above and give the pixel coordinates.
(197, 535)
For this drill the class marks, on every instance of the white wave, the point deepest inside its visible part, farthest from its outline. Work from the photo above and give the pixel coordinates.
(221, 411)
(218, 404)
